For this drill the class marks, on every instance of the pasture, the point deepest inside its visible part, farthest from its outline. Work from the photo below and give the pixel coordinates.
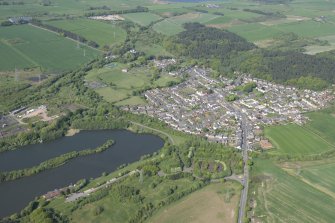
(173, 25)
(103, 33)
(282, 197)
(216, 202)
(151, 49)
(142, 18)
(69, 7)
(122, 85)
(323, 124)
(26, 46)
(295, 140)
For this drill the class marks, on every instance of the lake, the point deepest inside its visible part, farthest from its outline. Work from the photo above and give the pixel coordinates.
(128, 147)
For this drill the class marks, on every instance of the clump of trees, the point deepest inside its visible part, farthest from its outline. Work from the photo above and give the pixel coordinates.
(111, 12)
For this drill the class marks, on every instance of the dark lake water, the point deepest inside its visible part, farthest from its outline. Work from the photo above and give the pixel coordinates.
(128, 147)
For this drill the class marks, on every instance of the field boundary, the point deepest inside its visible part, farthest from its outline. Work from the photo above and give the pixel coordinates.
(76, 41)
(20, 53)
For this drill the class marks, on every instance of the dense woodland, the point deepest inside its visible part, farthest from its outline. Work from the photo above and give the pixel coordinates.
(227, 52)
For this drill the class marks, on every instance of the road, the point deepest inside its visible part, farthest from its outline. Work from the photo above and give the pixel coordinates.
(156, 130)
(245, 180)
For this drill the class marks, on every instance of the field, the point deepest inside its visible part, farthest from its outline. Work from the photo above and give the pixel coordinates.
(69, 7)
(26, 46)
(116, 210)
(121, 85)
(323, 124)
(142, 18)
(296, 140)
(214, 203)
(151, 49)
(173, 25)
(282, 197)
(102, 33)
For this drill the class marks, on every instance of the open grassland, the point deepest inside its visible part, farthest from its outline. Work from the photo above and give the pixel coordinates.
(26, 46)
(151, 49)
(217, 202)
(70, 7)
(281, 197)
(121, 85)
(322, 171)
(173, 25)
(167, 27)
(254, 31)
(142, 18)
(296, 140)
(323, 124)
(103, 33)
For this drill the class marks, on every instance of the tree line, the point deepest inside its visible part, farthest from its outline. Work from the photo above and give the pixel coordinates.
(66, 33)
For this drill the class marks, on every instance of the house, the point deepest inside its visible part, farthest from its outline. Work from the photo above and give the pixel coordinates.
(20, 20)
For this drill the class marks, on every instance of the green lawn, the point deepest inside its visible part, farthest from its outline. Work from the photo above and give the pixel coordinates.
(295, 140)
(26, 46)
(142, 18)
(103, 33)
(281, 197)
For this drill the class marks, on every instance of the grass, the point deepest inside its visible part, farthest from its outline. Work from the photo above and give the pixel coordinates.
(254, 31)
(26, 46)
(134, 100)
(324, 172)
(142, 18)
(152, 49)
(168, 28)
(116, 210)
(216, 202)
(97, 31)
(295, 140)
(173, 25)
(281, 197)
(323, 124)
(122, 85)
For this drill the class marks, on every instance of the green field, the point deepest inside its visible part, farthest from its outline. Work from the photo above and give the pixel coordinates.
(323, 124)
(100, 32)
(214, 203)
(255, 31)
(26, 46)
(296, 140)
(322, 171)
(142, 18)
(281, 197)
(121, 85)
(68, 7)
(116, 210)
(173, 25)
(168, 28)
(151, 49)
